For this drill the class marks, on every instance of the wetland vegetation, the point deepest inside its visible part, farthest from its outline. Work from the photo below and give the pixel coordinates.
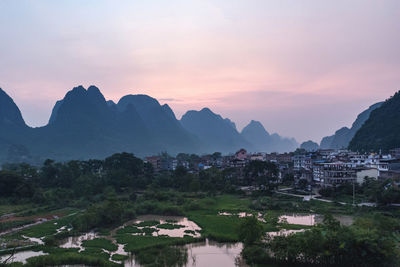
(119, 212)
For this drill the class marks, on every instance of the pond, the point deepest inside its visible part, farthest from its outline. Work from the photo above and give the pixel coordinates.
(181, 226)
(22, 256)
(38, 241)
(76, 241)
(313, 219)
(207, 254)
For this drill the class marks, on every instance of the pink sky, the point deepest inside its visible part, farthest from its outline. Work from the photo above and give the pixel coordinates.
(302, 68)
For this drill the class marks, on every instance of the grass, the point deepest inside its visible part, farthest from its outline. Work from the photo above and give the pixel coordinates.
(148, 224)
(12, 224)
(118, 257)
(47, 228)
(7, 209)
(137, 243)
(129, 230)
(95, 252)
(226, 203)
(219, 228)
(169, 226)
(202, 210)
(69, 258)
(100, 243)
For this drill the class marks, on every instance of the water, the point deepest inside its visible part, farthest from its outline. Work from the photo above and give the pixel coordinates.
(22, 256)
(207, 254)
(76, 241)
(301, 219)
(38, 241)
(313, 219)
(210, 253)
(183, 221)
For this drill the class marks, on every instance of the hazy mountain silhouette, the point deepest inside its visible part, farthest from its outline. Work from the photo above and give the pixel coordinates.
(165, 129)
(10, 115)
(216, 133)
(309, 146)
(85, 125)
(381, 131)
(262, 141)
(13, 130)
(343, 136)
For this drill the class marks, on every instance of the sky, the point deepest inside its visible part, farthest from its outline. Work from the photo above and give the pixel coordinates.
(302, 68)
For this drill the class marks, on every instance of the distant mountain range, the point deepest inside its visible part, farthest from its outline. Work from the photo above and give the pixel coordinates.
(85, 125)
(256, 135)
(309, 146)
(381, 131)
(343, 136)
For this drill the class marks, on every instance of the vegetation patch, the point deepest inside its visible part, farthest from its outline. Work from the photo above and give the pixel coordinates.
(119, 257)
(163, 256)
(129, 230)
(147, 223)
(69, 258)
(136, 243)
(100, 243)
(219, 228)
(170, 226)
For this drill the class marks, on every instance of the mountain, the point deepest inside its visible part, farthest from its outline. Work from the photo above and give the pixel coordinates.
(262, 141)
(309, 146)
(215, 132)
(81, 126)
(161, 122)
(343, 136)
(13, 130)
(85, 125)
(10, 115)
(382, 129)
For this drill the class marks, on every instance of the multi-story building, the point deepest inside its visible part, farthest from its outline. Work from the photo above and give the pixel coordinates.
(334, 173)
(302, 162)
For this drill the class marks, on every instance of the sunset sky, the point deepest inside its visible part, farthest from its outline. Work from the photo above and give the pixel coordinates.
(302, 68)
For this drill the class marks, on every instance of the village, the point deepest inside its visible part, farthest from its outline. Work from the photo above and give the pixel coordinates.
(319, 168)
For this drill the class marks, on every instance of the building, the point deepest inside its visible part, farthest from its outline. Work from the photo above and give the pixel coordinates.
(241, 154)
(334, 173)
(362, 173)
(302, 162)
(258, 156)
(395, 153)
(155, 161)
(389, 169)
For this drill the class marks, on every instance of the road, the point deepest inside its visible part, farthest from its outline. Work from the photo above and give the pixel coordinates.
(318, 197)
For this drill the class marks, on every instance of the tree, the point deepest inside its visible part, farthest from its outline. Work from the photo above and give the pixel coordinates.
(263, 174)
(250, 230)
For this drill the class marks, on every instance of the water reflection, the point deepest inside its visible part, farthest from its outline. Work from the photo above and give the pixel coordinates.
(210, 253)
(188, 227)
(21, 256)
(207, 254)
(76, 241)
(38, 241)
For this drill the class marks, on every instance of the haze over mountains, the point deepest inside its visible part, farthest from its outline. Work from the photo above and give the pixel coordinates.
(343, 136)
(381, 131)
(85, 125)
